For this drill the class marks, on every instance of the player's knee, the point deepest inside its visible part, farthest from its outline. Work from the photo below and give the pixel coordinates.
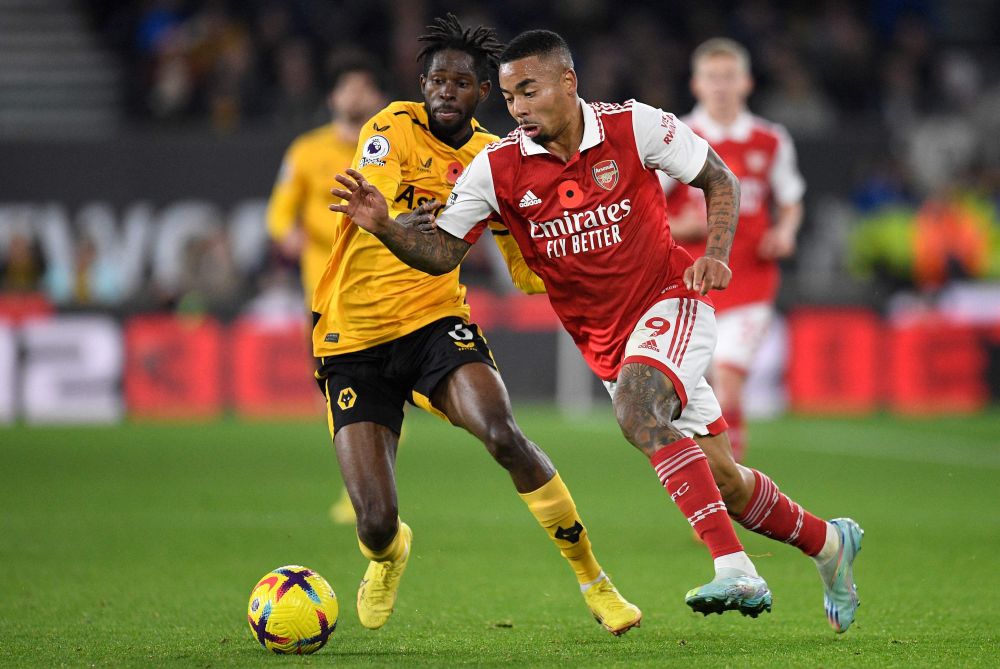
(377, 525)
(506, 443)
(641, 418)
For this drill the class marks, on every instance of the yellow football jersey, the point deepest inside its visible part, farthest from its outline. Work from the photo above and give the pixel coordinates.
(301, 195)
(367, 296)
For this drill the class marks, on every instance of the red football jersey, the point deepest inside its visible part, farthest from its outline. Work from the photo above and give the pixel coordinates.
(762, 156)
(593, 228)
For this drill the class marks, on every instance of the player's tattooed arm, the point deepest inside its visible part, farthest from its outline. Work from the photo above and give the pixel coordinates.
(411, 237)
(722, 197)
(418, 242)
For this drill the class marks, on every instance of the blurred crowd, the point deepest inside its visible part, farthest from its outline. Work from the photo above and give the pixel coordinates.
(916, 78)
(904, 242)
(188, 257)
(235, 64)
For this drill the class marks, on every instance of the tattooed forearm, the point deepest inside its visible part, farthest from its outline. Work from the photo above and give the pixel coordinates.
(436, 253)
(645, 404)
(722, 195)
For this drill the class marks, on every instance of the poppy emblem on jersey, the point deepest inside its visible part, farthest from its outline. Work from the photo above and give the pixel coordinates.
(347, 398)
(570, 195)
(455, 170)
(606, 174)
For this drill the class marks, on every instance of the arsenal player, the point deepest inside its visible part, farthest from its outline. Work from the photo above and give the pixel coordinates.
(762, 156)
(576, 186)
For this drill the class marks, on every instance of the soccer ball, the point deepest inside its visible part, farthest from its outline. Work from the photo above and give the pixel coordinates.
(292, 610)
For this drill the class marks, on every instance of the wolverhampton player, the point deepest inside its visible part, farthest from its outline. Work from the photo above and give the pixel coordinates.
(386, 333)
(297, 218)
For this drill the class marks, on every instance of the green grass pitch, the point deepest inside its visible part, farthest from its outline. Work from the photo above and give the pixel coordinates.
(138, 545)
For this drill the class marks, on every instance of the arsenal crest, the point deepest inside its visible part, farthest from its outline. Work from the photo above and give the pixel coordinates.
(606, 174)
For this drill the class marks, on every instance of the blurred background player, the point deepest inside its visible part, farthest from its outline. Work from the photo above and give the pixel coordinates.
(762, 156)
(297, 217)
(386, 333)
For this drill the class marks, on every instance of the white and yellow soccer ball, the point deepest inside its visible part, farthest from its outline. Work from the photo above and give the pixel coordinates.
(292, 610)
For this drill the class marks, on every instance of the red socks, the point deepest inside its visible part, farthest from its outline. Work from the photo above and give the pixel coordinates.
(771, 513)
(683, 471)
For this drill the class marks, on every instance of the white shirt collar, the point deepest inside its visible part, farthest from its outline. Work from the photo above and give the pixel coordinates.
(713, 131)
(593, 133)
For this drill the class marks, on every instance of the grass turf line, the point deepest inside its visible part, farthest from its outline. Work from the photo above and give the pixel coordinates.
(137, 546)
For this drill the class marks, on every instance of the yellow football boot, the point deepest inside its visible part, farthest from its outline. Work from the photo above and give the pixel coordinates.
(610, 609)
(377, 592)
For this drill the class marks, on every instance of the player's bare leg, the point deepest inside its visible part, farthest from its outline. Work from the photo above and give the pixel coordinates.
(736, 482)
(367, 456)
(342, 510)
(473, 397)
(757, 504)
(729, 382)
(646, 405)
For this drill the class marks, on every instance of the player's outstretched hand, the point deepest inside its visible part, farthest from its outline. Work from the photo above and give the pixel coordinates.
(422, 218)
(362, 202)
(707, 274)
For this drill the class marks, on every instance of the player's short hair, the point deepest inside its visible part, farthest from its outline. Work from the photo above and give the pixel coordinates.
(448, 33)
(720, 46)
(537, 43)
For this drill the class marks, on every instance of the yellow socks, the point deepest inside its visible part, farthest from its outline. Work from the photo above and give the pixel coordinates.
(393, 552)
(553, 507)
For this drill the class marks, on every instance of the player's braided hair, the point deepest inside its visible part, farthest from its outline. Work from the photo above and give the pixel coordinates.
(448, 33)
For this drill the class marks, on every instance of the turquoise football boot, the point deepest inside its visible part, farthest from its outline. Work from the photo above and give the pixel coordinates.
(840, 596)
(747, 594)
